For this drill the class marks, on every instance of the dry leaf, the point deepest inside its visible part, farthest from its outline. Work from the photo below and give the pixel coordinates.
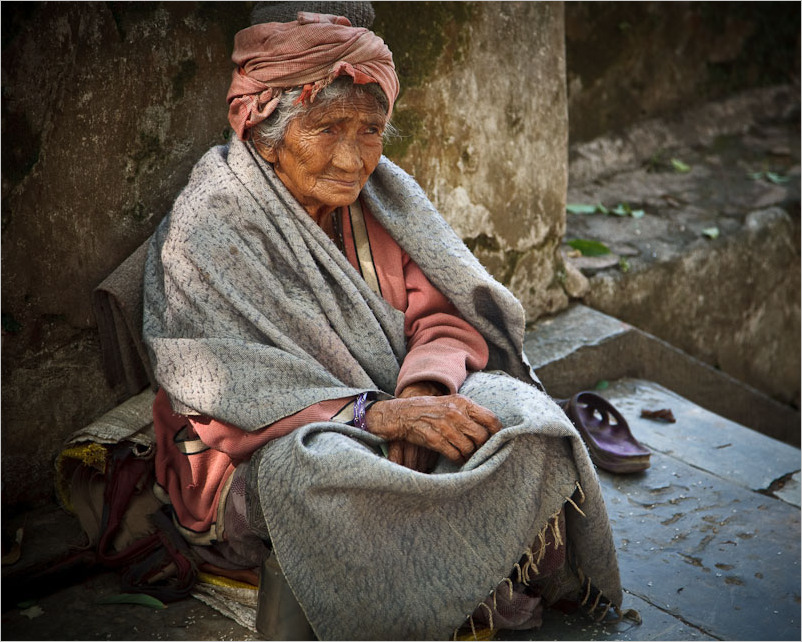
(663, 414)
(15, 552)
(32, 612)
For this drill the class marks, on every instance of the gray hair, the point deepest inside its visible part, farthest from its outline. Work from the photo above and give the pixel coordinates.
(271, 132)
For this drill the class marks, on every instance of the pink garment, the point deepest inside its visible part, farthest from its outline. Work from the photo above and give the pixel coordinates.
(311, 52)
(442, 347)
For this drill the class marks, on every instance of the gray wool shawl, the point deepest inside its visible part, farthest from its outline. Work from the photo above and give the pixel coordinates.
(252, 313)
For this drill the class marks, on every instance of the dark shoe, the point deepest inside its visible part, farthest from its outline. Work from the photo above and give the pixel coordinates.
(610, 443)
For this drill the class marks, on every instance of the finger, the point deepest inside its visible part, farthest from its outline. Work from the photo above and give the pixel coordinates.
(462, 422)
(483, 416)
(410, 455)
(476, 433)
(460, 431)
(435, 440)
(395, 452)
(427, 460)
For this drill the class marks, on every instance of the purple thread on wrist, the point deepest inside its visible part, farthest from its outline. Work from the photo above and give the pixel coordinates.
(360, 409)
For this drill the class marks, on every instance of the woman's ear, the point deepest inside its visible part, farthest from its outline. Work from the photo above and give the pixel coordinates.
(268, 153)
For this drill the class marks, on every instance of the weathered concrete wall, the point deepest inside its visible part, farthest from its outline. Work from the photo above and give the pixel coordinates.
(735, 305)
(106, 107)
(732, 301)
(627, 61)
(484, 122)
(648, 79)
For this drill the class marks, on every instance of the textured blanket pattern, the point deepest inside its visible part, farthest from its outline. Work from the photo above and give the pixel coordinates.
(376, 551)
(251, 313)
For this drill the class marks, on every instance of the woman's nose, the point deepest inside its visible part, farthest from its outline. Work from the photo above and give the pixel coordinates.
(347, 156)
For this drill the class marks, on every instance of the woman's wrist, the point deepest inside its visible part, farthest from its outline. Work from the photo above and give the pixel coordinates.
(424, 389)
(371, 414)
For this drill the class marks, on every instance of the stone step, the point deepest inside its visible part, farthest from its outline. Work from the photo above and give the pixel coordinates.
(707, 441)
(580, 347)
(708, 542)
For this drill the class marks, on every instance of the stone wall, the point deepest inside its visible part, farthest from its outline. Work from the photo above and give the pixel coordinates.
(106, 107)
(629, 61)
(648, 81)
(484, 125)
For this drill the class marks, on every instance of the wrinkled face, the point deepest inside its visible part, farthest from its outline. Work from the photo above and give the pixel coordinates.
(328, 153)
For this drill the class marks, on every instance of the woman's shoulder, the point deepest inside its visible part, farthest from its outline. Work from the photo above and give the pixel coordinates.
(209, 172)
(211, 188)
(206, 200)
(387, 170)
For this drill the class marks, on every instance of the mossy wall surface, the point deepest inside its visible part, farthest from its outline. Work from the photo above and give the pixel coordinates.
(483, 119)
(629, 61)
(106, 107)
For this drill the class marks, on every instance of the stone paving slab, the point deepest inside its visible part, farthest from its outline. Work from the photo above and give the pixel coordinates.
(657, 625)
(704, 440)
(702, 554)
(713, 555)
(694, 536)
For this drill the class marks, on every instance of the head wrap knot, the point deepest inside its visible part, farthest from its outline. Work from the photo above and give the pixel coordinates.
(310, 53)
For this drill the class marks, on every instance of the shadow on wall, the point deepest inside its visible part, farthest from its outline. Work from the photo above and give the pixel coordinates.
(628, 61)
(106, 107)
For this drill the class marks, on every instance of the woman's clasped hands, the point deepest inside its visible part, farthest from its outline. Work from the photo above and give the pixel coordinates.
(423, 421)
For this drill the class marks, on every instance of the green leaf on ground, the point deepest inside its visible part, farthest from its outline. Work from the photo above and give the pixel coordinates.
(602, 384)
(679, 166)
(623, 264)
(623, 209)
(589, 248)
(777, 179)
(711, 232)
(133, 598)
(580, 208)
(771, 177)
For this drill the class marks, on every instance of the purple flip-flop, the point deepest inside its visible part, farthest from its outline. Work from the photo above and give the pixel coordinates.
(610, 443)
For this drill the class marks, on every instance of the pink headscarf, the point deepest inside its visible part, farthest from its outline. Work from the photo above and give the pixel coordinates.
(311, 52)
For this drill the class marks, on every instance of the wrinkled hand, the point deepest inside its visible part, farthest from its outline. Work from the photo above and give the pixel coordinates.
(404, 453)
(451, 425)
(415, 457)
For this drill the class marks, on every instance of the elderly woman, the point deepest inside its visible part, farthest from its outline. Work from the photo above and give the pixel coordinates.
(342, 383)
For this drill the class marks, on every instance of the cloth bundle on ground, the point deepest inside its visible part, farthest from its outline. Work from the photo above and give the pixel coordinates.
(104, 475)
(252, 314)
